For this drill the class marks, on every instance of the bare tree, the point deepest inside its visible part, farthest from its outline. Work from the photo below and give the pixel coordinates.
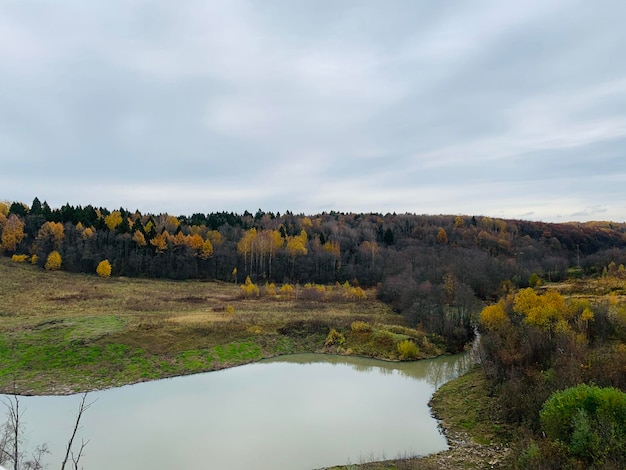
(82, 407)
(11, 439)
(11, 433)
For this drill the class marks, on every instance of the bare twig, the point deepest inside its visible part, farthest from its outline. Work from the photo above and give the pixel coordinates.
(82, 407)
(37, 456)
(76, 459)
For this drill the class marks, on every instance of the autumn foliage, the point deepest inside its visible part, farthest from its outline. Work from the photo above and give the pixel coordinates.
(541, 350)
(433, 270)
(104, 268)
(12, 233)
(53, 261)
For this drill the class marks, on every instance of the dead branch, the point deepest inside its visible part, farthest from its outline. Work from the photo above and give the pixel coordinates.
(82, 407)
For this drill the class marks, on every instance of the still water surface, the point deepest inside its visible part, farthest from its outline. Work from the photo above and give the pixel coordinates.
(294, 412)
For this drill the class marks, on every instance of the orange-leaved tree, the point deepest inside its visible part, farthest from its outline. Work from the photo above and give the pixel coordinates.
(139, 238)
(50, 235)
(12, 233)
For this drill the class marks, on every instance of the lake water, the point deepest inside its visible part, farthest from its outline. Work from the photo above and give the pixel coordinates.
(303, 411)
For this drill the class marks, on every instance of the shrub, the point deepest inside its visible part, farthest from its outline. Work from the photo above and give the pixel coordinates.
(590, 421)
(334, 338)
(19, 258)
(313, 292)
(270, 289)
(230, 309)
(534, 280)
(104, 268)
(53, 262)
(361, 327)
(286, 290)
(249, 288)
(354, 293)
(408, 349)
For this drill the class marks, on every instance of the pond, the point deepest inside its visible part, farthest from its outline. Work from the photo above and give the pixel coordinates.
(302, 411)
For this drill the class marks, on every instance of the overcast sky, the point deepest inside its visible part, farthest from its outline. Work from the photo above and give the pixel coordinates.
(513, 109)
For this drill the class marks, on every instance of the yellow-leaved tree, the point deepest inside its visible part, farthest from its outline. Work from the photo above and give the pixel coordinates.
(442, 236)
(113, 220)
(12, 233)
(159, 242)
(276, 242)
(207, 249)
(53, 262)
(139, 238)
(104, 268)
(246, 245)
(195, 242)
(494, 317)
(296, 246)
(51, 233)
(88, 233)
(548, 311)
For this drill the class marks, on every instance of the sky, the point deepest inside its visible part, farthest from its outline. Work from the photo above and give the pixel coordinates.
(505, 109)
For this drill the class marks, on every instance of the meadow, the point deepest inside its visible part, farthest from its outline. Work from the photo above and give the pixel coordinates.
(63, 333)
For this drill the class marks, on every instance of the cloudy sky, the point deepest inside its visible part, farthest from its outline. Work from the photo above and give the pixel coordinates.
(512, 109)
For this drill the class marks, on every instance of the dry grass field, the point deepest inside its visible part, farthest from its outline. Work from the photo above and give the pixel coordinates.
(63, 333)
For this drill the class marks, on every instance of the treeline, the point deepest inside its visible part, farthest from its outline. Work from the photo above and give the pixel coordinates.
(433, 269)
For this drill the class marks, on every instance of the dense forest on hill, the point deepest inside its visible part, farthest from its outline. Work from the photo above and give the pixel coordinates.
(434, 269)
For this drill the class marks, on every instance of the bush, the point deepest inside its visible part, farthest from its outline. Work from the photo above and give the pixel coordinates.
(270, 289)
(534, 280)
(361, 327)
(334, 338)
(286, 290)
(590, 421)
(19, 258)
(250, 289)
(53, 262)
(408, 349)
(104, 268)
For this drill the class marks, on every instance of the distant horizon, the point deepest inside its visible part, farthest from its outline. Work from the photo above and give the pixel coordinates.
(299, 213)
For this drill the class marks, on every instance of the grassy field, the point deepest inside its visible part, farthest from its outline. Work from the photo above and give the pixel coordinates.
(63, 333)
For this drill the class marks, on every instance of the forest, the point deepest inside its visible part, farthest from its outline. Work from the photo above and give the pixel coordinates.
(436, 270)
(548, 299)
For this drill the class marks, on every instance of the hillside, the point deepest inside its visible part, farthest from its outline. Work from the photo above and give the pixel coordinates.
(63, 332)
(435, 270)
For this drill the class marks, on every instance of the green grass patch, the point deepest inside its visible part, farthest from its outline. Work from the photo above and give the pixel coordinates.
(237, 352)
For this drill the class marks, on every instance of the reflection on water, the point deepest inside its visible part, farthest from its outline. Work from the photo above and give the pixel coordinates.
(298, 412)
(435, 371)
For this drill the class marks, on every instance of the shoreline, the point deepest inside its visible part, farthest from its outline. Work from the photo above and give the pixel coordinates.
(64, 389)
(477, 448)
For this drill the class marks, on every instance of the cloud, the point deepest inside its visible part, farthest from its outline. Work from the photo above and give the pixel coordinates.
(488, 108)
(590, 212)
